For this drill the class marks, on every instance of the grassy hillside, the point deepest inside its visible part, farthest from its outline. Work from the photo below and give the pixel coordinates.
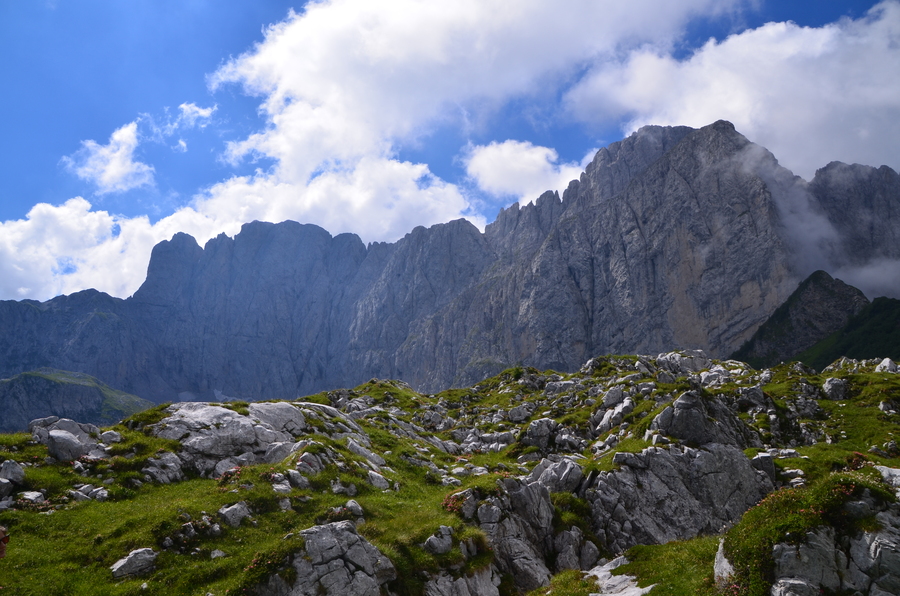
(873, 333)
(65, 547)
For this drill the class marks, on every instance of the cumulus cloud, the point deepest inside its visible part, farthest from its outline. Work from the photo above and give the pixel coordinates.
(111, 167)
(810, 95)
(520, 169)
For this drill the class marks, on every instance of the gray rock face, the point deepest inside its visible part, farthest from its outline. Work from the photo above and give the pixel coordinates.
(673, 237)
(871, 230)
(660, 495)
(481, 583)
(335, 561)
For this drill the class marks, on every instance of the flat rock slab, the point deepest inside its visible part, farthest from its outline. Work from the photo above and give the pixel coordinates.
(616, 585)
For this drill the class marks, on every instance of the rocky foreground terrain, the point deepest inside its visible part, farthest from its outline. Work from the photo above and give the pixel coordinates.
(694, 475)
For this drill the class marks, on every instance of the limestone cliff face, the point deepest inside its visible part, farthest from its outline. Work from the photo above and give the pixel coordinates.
(673, 237)
(863, 205)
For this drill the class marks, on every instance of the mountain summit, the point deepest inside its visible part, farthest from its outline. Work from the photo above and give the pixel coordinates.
(673, 237)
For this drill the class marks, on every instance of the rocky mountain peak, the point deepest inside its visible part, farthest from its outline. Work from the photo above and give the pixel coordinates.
(672, 237)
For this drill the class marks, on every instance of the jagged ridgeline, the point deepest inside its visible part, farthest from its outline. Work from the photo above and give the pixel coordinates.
(672, 238)
(699, 476)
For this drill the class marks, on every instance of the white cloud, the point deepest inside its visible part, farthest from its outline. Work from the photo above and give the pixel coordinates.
(810, 95)
(111, 167)
(520, 169)
(192, 115)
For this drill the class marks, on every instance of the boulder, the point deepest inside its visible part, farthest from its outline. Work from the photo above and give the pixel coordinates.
(233, 515)
(683, 362)
(886, 365)
(520, 413)
(138, 562)
(540, 432)
(32, 496)
(6, 488)
(836, 389)
(111, 436)
(65, 446)
(613, 397)
(358, 449)
(281, 417)
(12, 471)
(164, 468)
(440, 542)
(378, 481)
(561, 476)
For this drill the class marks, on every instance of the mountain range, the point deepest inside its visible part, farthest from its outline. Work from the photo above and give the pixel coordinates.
(672, 238)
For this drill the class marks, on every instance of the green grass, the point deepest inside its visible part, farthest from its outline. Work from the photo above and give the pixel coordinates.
(680, 568)
(69, 551)
(873, 333)
(568, 583)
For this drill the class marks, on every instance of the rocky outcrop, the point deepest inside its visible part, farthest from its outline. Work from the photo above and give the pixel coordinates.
(867, 563)
(818, 307)
(67, 440)
(660, 494)
(335, 560)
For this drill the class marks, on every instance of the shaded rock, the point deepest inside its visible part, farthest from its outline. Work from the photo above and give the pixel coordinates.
(483, 582)
(233, 515)
(11, 470)
(818, 307)
(164, 468)
(440, 542)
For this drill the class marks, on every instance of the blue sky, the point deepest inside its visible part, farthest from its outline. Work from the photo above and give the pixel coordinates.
(124, 122)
